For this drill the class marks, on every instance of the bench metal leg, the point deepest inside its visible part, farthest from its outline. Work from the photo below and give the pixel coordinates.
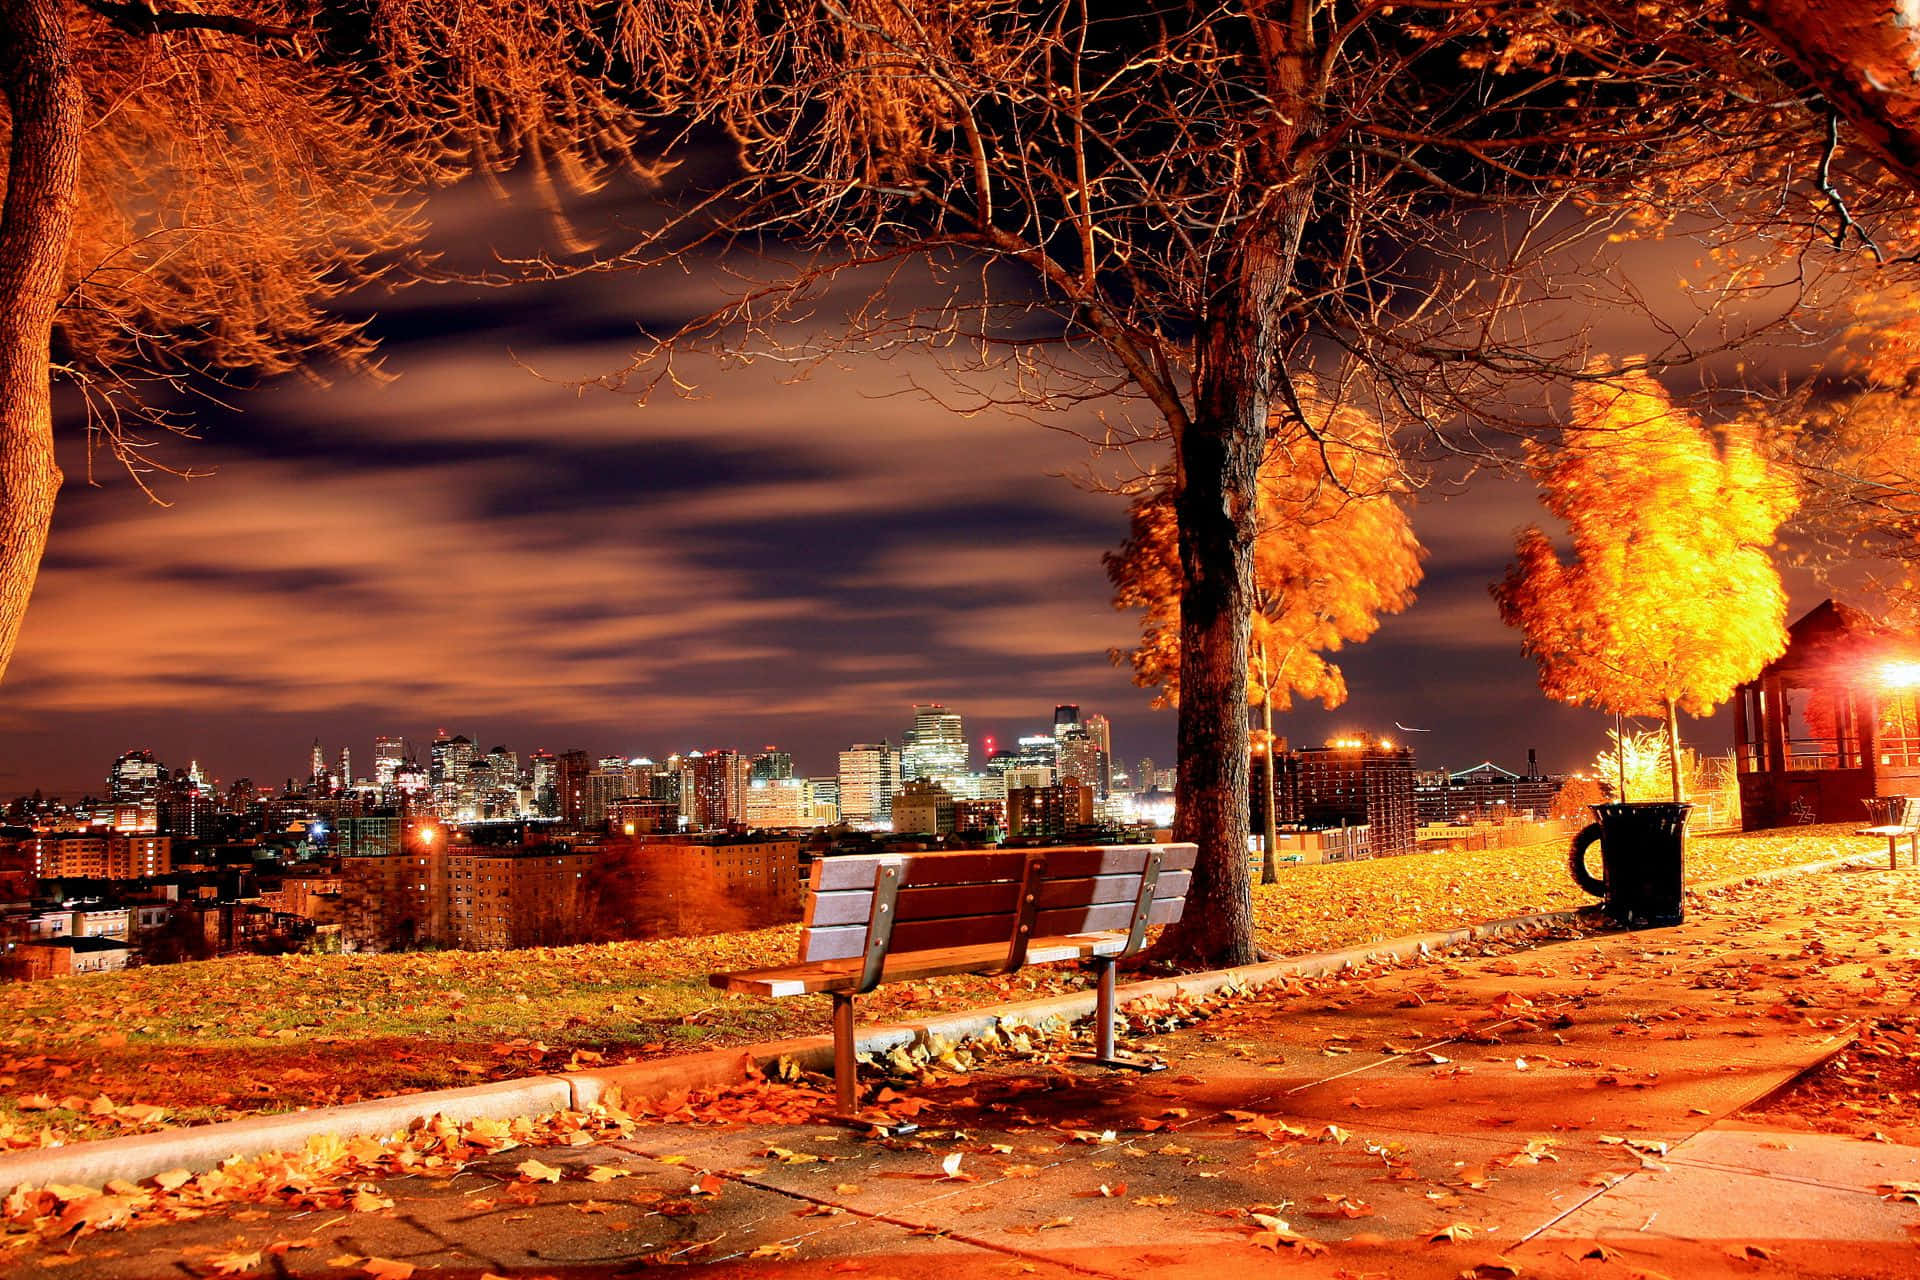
(846, 1076)
(1105, 1053)
(846, 1063)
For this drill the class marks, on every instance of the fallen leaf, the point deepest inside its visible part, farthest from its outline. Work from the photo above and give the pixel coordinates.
(1453, 1233)
(227, 1264)
(533, 1171)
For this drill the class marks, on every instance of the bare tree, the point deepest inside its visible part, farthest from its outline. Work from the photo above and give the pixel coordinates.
(189, 186)
(1181, 207)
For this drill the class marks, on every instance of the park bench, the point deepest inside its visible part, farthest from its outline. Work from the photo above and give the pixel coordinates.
(1896, 818)
(891, 917)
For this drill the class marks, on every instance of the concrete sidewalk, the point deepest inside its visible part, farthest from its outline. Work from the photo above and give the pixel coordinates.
(1571, 1110)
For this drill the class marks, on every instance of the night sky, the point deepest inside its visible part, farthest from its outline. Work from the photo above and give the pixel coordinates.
(475, 547)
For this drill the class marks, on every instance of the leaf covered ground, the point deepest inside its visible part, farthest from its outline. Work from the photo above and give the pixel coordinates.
(1514, 1107)
(130, 1052)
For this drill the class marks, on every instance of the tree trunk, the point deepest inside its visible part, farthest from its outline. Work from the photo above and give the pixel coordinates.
(1219, 456)
(43, 99)
(1215, 512)
(1864, 58)
(1673, 749)
(1620, 754)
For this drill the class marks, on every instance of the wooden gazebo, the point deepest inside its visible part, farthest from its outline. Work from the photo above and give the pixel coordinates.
(1829, 723)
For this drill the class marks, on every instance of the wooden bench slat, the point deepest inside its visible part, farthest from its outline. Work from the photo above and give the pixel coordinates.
(838, 942)
(818, 976)
(933, 902)
(855, 871)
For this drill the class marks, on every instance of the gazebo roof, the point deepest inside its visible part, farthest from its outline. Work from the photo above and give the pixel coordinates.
(1838, 644)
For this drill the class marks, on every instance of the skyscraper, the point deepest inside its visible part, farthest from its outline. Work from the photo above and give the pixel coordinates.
(1079, 758)
(570, 786)
(388, 755)
(1100, 729)
(1065, 716)
(134, 778)
(936, 745)
(770, 764)
(869, 775)
(719, 789)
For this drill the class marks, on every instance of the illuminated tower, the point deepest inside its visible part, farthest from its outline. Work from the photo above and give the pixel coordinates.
(388, 755)
(869, 775)
(937, 745)
(1100, 729)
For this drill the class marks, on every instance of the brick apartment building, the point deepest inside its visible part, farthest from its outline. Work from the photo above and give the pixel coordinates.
(98, 855)
(1359, 781)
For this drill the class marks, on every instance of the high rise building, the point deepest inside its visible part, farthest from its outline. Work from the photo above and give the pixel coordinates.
(1100, 729)
(719, 787)
(1078, 758)
(570, 786)
(346, 767)
(133, 787)
(317, 774)
(769, 764)
(388, 755)
(1065, 716)
(452, 758)
(134, 778)
(544, 768)
(605, 784)
(869, 775)
(936, 746)
(186, 804)
(1347, 783)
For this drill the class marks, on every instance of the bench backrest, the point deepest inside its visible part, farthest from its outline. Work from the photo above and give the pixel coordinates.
(941, 900)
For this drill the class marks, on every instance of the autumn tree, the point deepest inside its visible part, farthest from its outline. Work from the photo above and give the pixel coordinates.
(1858, 448)
(1671, 597)
(189, 187)
(1333, 551)
(1183, 210)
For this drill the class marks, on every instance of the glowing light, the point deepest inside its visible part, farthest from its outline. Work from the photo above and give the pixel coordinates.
(1900, 675)
(427, 835)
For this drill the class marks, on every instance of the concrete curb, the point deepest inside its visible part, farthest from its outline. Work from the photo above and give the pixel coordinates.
(196, 1147)
(206, 1146)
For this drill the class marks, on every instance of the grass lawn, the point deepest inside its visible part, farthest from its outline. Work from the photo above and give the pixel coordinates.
(95, 1056)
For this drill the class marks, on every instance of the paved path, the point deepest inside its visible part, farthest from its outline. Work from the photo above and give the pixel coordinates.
(1570, 1110)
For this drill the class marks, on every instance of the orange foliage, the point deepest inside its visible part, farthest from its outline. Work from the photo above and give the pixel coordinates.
(1671, 597)
(1334, 550)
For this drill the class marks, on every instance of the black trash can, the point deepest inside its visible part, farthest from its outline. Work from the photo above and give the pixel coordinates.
(1643, 861)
